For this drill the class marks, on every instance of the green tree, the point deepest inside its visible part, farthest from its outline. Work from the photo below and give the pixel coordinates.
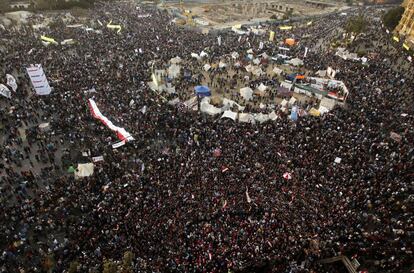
(49, 263)
(392, 17)
(110, 267)
(73, 267)
(127, 262)
(356, 25)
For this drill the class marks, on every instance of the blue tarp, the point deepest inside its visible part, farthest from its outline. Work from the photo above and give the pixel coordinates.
(202, 91)
(294, 113)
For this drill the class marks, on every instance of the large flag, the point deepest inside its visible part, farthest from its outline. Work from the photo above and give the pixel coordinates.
(38, 78)
(121, 133)
(4, 91)
(11, 81)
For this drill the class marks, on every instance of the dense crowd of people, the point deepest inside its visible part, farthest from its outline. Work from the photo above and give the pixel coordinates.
(192, 193)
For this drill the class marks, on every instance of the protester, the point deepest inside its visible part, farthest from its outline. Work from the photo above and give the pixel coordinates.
(191, 193)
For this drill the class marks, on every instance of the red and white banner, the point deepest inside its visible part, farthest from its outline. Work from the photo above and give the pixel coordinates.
(121, 133)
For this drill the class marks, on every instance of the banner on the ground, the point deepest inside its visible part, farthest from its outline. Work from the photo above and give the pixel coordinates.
(121, 133)
(11, 81)
(48, 40)
(4, 91)
(38, 78)
(110, 26)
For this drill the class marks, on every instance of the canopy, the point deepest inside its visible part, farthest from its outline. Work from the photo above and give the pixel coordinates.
(71, 169)
(229, 114)
(246, 93)
(202, 91)
(84, 170)
(295, 62)
(290, 41)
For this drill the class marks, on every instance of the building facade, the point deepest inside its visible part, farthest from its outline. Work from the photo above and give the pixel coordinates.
(406, 26)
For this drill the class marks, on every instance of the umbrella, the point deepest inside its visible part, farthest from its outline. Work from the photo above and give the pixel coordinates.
(202, 91)
(71, 169)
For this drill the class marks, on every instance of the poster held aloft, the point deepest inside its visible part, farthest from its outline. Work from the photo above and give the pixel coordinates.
(38, 78)
(4, 91)
(11, 81)
(271, 36)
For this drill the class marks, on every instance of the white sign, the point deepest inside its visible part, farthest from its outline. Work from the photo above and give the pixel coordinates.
(4, 91)
(11, 81)
(38, 79)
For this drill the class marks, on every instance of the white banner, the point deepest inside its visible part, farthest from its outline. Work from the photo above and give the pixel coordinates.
(219, 40)
(261, 45)
(4, 91)
(11, 81)
(38, 78)
(306, 52)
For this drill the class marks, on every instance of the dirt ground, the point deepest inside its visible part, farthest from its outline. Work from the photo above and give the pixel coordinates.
(229, 13)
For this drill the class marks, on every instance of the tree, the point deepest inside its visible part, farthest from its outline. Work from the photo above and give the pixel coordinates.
(127, 262)
(73, 267)
(356, 25)
(392, 17)
(109, 267)
(49, 263)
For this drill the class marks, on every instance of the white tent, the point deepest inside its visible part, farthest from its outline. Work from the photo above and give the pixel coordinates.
(84, 170)
(191, 103)
(249, 68)
(203, 54)
(246, 93)
(173, 71)
(246, 117)
(295, 62)
(256, 61)
(262, 87)
(196, 56)
(235, 55)
(277, 71)
(209, 109)
(207, 67)
(327, 103)
(229, 114)
(222, 64)
(174, 101)
(323, 110)
(227, 104)
(257, 71)
(261, 117)
(321, 73)
(273, 115)
(176, 60)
